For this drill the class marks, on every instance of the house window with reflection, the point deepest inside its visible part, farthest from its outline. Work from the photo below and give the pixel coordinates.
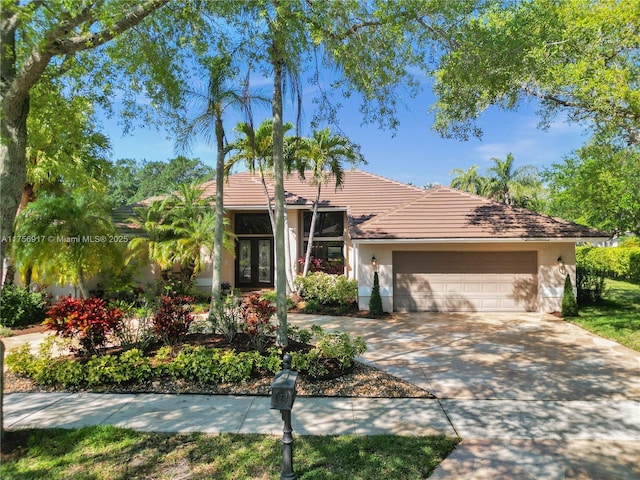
(327, 253)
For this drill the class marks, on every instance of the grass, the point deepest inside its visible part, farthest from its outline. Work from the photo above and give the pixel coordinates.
(106, 452)
(617, 316)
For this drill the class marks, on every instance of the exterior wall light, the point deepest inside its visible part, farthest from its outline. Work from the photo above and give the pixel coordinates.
(561, 265)
(374, 262)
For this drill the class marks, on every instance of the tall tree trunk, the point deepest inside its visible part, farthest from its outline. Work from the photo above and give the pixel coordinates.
(216, 276)
(13, 145)
(287, 249)
(278, 170)
(13, 172)
(314, 217)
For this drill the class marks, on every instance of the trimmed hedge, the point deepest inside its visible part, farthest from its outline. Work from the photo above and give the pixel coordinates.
(614, 262)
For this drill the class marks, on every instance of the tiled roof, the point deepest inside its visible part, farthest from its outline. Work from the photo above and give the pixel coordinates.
(447, 213)
(380, 209)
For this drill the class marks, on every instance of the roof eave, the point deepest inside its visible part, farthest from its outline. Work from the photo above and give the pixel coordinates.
(362, 241)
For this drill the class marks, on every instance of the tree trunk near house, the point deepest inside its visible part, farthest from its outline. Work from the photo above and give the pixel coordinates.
(278, 170)
(314, 216)
(216, 276)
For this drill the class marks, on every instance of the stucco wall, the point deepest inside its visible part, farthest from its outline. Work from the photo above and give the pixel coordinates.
(550, 275)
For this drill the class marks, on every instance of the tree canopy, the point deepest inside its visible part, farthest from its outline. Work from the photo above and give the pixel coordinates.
(131, 181)
(576, 57)
(598, 186)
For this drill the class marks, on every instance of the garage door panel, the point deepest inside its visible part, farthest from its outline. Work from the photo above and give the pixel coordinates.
(477, 281)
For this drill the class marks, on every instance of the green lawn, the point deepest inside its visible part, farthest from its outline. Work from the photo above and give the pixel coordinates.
(114, 453)
(617, 317)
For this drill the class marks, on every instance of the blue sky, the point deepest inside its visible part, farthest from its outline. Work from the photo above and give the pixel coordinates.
(416, 154)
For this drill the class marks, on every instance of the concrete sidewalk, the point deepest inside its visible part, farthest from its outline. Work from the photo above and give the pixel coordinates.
(226, 414)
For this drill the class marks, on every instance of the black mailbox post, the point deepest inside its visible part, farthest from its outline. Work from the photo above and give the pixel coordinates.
(283, 394)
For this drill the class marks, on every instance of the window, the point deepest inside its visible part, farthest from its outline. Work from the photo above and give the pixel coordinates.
(328, 224)
(327, 253)
(253, 224)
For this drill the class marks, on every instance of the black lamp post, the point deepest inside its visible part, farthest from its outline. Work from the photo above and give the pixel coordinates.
(283, 394)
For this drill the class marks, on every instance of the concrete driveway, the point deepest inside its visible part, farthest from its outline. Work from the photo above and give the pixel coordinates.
(531, 395)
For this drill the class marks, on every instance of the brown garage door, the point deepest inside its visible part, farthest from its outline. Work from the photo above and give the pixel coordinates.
(465, 281)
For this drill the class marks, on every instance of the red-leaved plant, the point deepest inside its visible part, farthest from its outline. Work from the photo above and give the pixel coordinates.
(257, 320)
(173, 317)
(88, 320)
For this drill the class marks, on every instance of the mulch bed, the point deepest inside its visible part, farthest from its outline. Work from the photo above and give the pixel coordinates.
(359, 381)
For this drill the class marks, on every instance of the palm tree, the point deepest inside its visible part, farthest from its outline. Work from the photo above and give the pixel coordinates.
(255, 149)
(149, 247)
(469, 180)
(69, 238)
(323, 154)
(178, 230)
(220, 96)
(190, 225)
(512, 186)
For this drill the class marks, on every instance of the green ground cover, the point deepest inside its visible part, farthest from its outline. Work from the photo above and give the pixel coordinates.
(105, 452)
(616, 316)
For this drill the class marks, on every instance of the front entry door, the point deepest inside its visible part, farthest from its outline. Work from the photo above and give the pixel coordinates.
(254, 262)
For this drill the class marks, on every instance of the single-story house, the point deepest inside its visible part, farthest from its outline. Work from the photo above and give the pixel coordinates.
(435, 250)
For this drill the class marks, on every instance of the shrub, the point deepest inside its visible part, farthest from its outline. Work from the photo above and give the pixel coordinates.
(339, 345)
(21, 361)
(590, 285)
(312, 306)
(327, 289)
(272, 362)
(309, 363)
(207, 365)
(569, 304)
(257, 324)
(19, 307)
(271, 296)
(172, 318)
(614, 262)
(297, 334)
(43, 368)
(226, 316)
(90, 321)
(117, 369)
(375, 302)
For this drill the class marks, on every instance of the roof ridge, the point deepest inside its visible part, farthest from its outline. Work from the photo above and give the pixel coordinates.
(395, 209)
(380, 177)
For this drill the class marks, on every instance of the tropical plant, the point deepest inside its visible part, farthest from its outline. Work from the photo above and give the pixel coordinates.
(58, 44)
(257, 315)
(469, 181)
(90, 321)
(254, 148)
(220, 96)
(178, 229)
(172, 318)
(503, 182)
(513, 186)
(67, 239)
(323, 155)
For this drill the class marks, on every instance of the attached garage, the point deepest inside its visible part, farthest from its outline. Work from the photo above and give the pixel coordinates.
(444, 281)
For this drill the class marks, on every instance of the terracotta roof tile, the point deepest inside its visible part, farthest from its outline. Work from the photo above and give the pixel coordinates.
(444, 212)
(380, 208)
